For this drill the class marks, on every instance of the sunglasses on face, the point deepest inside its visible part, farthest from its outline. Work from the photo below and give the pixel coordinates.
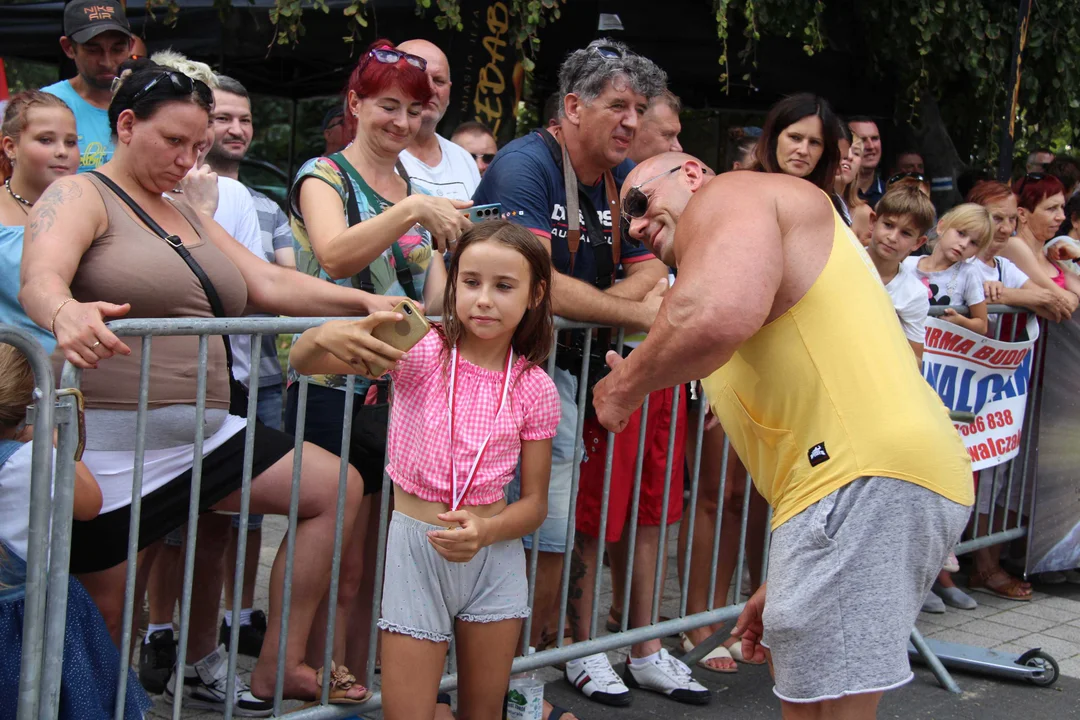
(906, 176)
(392, 57)
(486, 157)
(636, 202)
(180, 84)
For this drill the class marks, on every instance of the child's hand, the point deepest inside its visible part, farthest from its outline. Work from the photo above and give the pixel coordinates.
(351, 342)
(993, 289)
(462, 543)
(952, 316)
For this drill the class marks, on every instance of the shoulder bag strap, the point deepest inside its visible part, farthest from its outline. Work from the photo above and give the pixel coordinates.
(612, 193)
(176, 244)
(362, 279)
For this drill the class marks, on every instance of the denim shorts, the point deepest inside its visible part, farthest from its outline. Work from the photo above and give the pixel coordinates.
(423, 593)
(566, 452)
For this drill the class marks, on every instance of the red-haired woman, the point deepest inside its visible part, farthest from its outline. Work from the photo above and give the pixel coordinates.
(359, 223)
(1040, 212)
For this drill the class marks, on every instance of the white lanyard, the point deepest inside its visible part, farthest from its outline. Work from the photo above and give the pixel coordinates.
(455, 497)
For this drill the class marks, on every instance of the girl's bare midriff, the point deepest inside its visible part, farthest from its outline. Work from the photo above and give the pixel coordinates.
(426, 511)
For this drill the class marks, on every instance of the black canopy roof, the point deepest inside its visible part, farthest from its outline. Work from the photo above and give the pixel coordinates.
(680, 35)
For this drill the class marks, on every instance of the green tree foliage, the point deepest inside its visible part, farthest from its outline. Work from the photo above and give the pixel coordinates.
(957, 51)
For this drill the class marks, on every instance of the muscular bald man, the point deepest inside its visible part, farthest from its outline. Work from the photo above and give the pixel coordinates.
(779, 309)
(435, 164)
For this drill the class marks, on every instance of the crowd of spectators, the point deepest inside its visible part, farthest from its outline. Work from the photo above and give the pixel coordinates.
(379, 223)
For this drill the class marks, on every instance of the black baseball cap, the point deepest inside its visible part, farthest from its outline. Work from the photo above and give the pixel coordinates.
(85, 19)
(332, 114)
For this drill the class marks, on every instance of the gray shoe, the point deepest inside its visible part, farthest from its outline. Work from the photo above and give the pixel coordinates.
(955, 597)
(933, 604)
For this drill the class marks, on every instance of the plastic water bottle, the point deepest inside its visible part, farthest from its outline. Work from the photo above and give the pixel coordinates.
(525, 699)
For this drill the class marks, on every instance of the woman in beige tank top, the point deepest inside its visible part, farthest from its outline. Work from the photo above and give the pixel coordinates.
(87, 260)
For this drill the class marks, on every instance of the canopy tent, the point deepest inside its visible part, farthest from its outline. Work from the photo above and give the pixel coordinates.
(681, 38)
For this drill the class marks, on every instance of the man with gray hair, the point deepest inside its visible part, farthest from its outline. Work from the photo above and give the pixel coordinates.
(562, 183)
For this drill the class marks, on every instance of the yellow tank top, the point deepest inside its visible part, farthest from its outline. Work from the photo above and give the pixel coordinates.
(830, 392)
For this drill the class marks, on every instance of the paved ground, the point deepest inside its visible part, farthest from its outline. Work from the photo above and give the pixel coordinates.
(1051, 621)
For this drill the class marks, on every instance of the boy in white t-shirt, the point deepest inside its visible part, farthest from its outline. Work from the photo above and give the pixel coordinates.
(904, 215)
(962, 233)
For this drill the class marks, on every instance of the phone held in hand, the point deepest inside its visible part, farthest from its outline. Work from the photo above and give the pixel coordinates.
(403, 334)
(480, 213)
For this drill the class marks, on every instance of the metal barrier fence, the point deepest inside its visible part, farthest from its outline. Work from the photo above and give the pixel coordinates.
(43, 641)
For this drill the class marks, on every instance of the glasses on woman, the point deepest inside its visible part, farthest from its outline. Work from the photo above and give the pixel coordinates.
(1030, 177)
(388, 56)
(179, 83)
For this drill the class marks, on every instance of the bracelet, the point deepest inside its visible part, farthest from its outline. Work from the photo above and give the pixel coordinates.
(52, 323)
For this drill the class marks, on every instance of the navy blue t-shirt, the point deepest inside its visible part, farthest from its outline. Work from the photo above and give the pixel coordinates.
(524, 178)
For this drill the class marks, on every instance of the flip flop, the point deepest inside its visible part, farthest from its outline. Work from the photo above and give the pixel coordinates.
(719, 652)
(341, 681)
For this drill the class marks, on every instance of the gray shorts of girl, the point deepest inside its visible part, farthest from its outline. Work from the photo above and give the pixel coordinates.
(423, 593)
(846, 579)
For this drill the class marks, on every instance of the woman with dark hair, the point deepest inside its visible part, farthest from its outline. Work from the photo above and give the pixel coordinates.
(359, 222)
(801, 138)
(1040, 212)
(89, 258)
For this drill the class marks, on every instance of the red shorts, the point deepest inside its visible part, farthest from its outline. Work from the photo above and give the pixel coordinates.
(624, 462)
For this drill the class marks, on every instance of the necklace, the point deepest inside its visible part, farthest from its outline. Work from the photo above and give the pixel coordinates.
(23, 201)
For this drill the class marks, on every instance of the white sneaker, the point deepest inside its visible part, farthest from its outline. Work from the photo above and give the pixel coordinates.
(668, 676)
(205, 683)
(597, 680)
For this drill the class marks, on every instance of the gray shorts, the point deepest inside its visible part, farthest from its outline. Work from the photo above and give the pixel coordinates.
(846, 579)
(423, 593)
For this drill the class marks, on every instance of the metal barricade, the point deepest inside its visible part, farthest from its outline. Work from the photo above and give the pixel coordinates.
(598, 641)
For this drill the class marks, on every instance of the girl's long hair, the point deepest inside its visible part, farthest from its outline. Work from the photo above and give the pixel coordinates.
(535, 334)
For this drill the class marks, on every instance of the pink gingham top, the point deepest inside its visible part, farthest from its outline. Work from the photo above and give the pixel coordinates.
(417, 452)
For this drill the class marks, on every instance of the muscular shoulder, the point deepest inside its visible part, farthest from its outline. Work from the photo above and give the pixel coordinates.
(762, 198)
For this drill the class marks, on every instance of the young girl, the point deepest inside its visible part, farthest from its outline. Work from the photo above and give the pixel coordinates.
(962, 232)
(91, 660)
(470, 401)
(38, 144)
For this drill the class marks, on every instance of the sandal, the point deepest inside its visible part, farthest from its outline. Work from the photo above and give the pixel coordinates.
(719, 652)
(341, 681)
(1001, 584)
(550, 640)
(736, 652)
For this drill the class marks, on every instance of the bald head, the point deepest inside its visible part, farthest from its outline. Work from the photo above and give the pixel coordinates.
(438, 72)
(658, 164)
(654, 195)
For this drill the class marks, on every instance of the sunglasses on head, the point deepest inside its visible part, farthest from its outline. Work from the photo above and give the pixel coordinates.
(1030, 177)
(609, 52)
(906, 176)
(180, 84)
(389, 56)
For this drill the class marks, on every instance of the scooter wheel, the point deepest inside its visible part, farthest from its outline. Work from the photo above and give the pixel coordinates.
(1048, 665)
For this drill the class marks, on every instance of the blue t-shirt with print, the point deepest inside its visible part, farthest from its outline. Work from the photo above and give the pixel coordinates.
(95, 134)
(528, 184)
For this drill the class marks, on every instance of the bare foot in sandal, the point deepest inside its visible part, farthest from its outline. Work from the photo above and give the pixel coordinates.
(304, 683)
(719, 660)
(1000, 583)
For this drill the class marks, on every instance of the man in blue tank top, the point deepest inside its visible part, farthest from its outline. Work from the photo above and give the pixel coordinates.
(97, 38)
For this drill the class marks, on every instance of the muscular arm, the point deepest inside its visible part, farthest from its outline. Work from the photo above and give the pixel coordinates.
(730, 255)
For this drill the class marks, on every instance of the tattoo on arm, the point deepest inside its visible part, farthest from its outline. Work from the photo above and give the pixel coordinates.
(48, 206)
(578, 571)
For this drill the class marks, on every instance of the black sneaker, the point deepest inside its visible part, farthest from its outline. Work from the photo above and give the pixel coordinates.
(156, 661)
(251, 636)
